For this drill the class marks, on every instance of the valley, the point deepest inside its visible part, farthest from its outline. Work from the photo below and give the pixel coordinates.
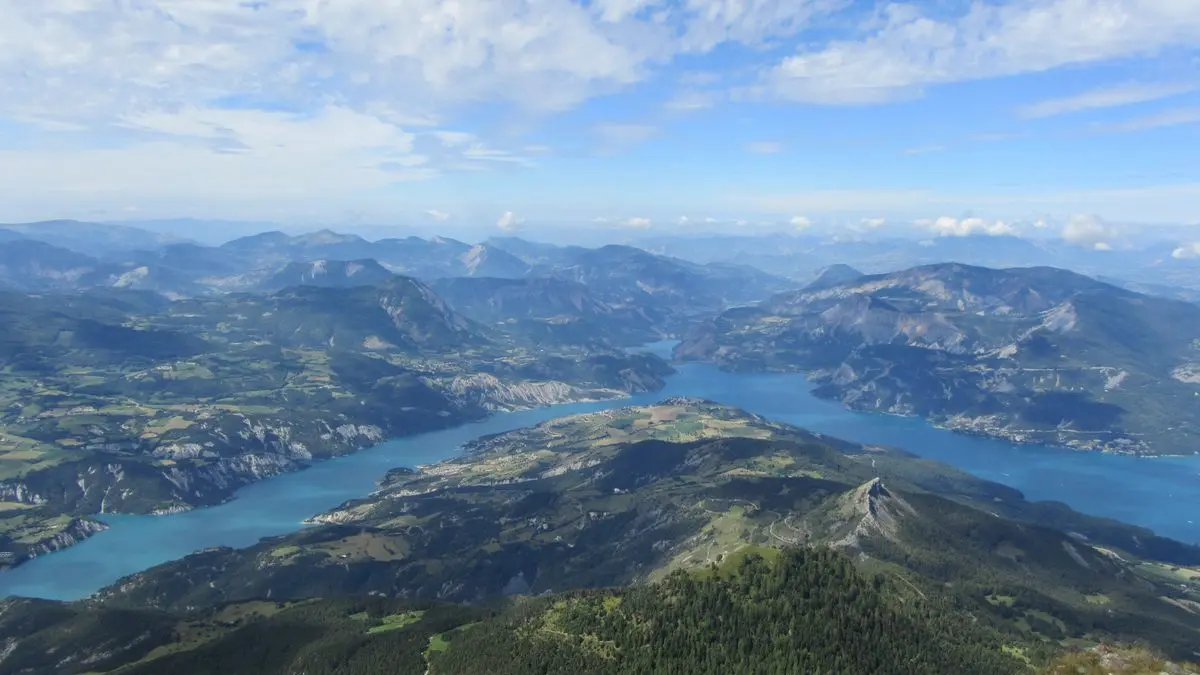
(637, 494)
(119, 403)
(434, 417)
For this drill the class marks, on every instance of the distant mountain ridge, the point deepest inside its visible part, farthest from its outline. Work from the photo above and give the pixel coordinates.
(1032, 354)
(328, 274)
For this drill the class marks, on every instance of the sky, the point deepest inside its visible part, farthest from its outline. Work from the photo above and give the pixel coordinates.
(1079, 118)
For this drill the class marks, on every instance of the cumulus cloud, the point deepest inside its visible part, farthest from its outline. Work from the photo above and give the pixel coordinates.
(637, 222)
(1107, 97)
(902, 50)
(946, 226)
(1089, 231)
(440, 216)
(508, 222)
(1187, 251)
(122, 84)
(800, 222)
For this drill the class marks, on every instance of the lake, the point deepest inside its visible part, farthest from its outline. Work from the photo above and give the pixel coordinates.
(1162, 494)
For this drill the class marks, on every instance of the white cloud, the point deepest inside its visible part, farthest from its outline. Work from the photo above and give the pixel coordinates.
(141, 83)
(902, 50)
(800, 222)
(637, 222)
(508, 222)
(1107, 97)
(873, 223)
(1089, 231)
(764, 147)
(684, 220)
(687, 101)
(205, 154)
(1165, 118)
(946, 226)
(1187, 251)
(440, 216)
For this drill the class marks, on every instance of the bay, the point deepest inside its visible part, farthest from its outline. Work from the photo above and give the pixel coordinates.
(1162, 494)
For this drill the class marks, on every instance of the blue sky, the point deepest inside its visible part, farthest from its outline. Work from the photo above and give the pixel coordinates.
(1074, 117)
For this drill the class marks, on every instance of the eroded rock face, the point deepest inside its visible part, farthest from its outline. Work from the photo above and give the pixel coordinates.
(75, 531)
(874, 511)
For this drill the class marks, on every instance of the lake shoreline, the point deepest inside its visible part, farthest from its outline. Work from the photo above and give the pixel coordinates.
(1159, 496)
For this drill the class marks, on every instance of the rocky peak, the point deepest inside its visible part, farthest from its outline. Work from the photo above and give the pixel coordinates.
(873, 510)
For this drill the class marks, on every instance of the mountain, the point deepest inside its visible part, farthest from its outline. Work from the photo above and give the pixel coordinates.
(629, 277)
(119, 401)
(96, 239)
(274, 248)
(530, 252)
(483, 260)
(399, 314)
(412, 256)
(547, 308)
(633, 495)
(193, 259)
(833, 275)
(1162, 290)
(328, 274)
(804, 611)
(1030, 354)
(29, 264)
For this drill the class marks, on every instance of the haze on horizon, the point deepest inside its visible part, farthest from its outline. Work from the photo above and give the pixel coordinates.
(1059, 118)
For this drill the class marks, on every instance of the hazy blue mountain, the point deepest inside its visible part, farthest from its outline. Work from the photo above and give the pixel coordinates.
(550, 309)
(30, 264)
(96, 239)
(328, 274)
(627, 275)
(834, 275)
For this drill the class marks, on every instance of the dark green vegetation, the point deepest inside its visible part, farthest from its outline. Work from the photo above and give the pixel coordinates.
(350, 636)
(632, 495)
(122, 401)
(1030, 354)
(802, 611)
(809, 611)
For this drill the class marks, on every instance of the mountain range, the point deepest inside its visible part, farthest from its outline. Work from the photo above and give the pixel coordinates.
(668, 292)
(1030, 354)
(117, 400)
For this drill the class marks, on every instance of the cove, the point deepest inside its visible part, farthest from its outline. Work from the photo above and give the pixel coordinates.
(1162, 494)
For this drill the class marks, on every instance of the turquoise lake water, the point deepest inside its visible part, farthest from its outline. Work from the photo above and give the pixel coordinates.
(1162, 494)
